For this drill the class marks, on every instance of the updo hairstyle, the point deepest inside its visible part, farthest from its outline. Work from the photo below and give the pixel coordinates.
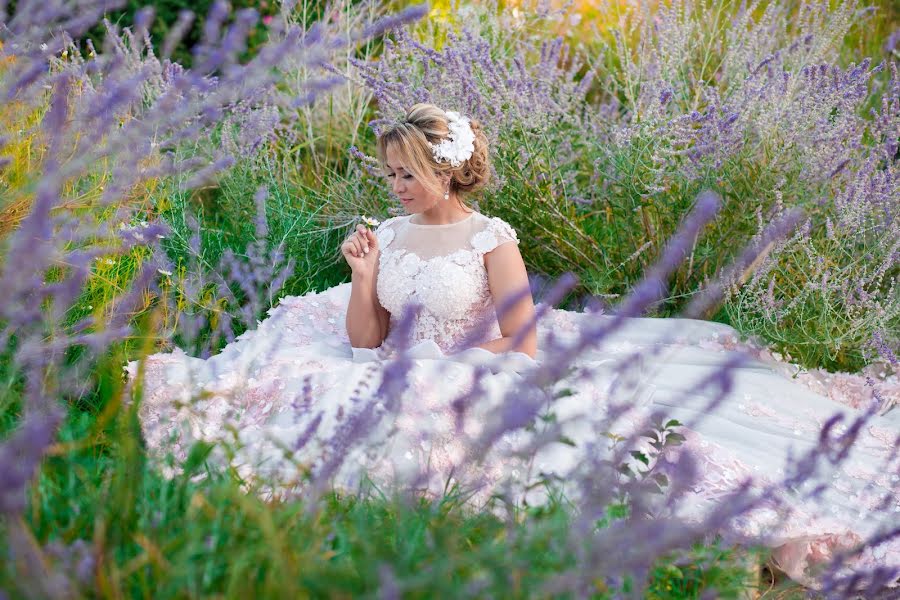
(428, 123)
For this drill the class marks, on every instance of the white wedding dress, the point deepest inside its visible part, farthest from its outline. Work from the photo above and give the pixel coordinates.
(292, 400)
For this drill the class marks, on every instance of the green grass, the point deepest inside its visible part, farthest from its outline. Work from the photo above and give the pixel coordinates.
(160, 538)
(179, 538)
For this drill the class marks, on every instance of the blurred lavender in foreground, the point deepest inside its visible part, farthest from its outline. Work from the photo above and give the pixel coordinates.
(20, 457)
(153, 119)
(123, 110)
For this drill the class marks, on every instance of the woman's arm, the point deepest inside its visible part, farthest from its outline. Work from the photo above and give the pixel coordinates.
(507, 279)
(367, 321)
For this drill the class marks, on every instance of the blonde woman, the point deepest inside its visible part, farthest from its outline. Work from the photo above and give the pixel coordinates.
(466, 263)
(347, 385)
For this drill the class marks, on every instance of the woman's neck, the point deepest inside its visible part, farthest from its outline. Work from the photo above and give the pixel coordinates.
(443, 213)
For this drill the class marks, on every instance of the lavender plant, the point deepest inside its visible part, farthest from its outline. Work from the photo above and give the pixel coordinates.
(598, 485)
(600, 151)
(131, 114)
(205, 303)
(149, 132)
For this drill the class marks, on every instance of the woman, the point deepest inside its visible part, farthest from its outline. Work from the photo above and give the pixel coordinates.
(428, 180)
(420, 364)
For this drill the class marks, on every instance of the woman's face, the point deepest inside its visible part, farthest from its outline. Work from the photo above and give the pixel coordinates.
(414, 197)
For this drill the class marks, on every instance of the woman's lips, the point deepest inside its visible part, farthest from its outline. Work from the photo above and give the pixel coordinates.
(406, 200)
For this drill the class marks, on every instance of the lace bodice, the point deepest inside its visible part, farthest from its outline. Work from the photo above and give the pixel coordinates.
(441, 268)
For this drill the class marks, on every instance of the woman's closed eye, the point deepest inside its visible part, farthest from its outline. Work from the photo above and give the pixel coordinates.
(404, 177)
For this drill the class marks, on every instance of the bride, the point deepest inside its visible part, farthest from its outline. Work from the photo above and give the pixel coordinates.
(429, 367)
(464, 263)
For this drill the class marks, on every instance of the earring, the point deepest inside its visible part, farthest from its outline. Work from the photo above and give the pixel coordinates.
(447, 194)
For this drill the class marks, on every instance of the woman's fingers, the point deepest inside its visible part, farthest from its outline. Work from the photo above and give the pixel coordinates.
(362, 236)
(363, 242)
(360, 242)
(351, 246)
(372, 239)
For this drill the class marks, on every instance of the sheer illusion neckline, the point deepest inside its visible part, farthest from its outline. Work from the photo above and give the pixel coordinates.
(468, 218)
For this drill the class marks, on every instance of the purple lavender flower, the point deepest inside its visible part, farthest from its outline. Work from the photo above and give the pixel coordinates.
(20, 456)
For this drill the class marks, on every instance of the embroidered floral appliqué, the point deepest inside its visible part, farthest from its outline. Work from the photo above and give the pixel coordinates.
(452, 289)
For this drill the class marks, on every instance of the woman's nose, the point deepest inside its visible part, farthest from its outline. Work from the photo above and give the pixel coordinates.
(398, 184)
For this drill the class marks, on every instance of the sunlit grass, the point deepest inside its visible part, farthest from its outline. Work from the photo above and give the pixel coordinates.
(171, 538)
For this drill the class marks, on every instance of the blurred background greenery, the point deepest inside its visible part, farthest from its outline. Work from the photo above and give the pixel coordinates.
(183, 538)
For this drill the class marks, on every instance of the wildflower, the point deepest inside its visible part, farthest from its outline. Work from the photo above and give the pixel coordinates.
(370, 221)
(164, 272)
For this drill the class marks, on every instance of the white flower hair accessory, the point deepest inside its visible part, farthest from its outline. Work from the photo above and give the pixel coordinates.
(460, 142)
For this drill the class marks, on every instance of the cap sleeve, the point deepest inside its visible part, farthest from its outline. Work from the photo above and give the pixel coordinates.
(496, 232)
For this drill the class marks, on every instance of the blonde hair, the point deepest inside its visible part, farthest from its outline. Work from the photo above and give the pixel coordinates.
(426, 123)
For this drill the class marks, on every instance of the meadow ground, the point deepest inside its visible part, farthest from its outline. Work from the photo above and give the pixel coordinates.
(147, 205)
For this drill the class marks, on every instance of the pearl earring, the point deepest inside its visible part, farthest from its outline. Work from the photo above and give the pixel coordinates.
(447, 195)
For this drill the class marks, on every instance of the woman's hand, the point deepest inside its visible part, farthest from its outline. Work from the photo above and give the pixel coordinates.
(360, 250)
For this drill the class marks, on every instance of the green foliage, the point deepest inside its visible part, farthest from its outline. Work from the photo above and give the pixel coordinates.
(167, 12)
(164, 538)
(180, 537)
